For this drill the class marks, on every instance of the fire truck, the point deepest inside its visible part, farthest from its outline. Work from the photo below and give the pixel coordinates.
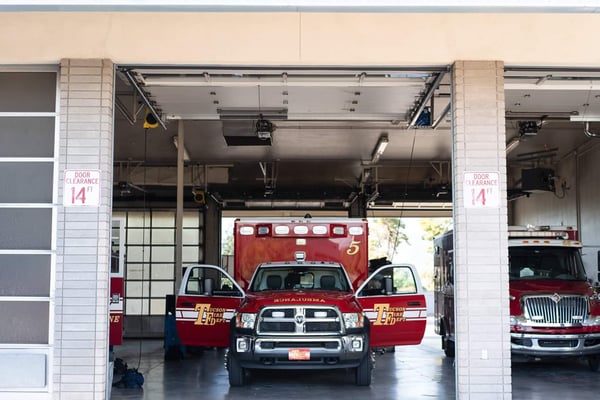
(301, 298)
(554, 310)
(116, 287)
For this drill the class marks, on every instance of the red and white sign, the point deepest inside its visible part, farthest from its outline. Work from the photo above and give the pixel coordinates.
(481, 189)
(81, 188)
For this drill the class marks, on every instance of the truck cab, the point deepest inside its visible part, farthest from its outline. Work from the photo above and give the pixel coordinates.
(554, 311)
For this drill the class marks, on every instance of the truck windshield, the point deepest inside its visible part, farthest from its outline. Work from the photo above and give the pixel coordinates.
(545, 262)
(287, 277)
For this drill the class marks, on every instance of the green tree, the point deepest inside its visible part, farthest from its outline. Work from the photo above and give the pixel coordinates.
(385, 235)
(433, 227)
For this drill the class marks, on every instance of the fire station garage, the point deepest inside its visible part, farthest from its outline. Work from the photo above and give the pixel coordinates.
(129, 130)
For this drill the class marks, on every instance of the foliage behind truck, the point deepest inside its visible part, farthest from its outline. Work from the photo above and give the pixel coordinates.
(301, 299)
(554, 310)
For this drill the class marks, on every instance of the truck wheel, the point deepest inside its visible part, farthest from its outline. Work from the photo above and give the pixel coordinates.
(594, 363)
(363, 371)
(236, 372)
(448, 346)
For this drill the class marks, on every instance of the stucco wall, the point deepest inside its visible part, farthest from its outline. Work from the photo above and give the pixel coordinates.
(299, 38)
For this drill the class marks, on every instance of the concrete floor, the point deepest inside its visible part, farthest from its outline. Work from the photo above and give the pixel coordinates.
(411, 372)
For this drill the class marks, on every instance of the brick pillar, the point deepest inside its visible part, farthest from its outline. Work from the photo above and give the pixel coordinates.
(83, 233)
(483, 365)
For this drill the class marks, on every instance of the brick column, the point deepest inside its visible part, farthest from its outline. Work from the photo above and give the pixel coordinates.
(483, 369)
(83, 233)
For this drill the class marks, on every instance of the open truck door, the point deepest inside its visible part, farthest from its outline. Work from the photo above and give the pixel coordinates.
(206, 302)
(393, 301)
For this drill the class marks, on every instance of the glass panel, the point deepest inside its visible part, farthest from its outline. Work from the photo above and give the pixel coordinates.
(27, 137)
(24, 275)
(163, 271)
(134, 306)
(191, 219)
(164, 219)
(27, 91)
(138, 236)
(22, 370)
(157, 306)
(28, 182)
(137, 289)
(138, 254)
(134, 271)
(190, 236)
(161, 289)
(25, 228)
(404, 281)
(163, 236)
(138, 219)
(17, 329)
(190, 255)
(163, 254)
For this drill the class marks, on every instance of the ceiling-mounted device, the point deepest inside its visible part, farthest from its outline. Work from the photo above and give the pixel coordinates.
(529, 128)
(264, 128)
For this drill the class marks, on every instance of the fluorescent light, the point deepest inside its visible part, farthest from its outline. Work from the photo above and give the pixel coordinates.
(584, 118)
(186, 155)
(512, 144)
(379, 148)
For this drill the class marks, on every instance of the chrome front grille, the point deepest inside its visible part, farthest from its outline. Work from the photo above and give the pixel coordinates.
(555, 310)
(299, 320)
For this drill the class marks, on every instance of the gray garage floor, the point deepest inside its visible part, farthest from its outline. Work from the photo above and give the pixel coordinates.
(411, 372)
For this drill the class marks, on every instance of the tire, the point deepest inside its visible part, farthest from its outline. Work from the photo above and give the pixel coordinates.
(448, 346)
(594, 363)
(363, 371)
(236, 372)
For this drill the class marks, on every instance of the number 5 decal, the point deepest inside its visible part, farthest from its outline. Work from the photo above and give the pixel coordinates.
(353, 248)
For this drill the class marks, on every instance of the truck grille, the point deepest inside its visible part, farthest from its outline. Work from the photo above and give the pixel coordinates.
(555, 309)
(299, 320)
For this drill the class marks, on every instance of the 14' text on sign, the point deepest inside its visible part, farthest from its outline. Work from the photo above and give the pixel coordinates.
(81, 188)
(481, 189)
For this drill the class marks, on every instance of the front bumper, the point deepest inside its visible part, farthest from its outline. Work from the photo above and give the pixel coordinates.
(536, 344)
(323, 352)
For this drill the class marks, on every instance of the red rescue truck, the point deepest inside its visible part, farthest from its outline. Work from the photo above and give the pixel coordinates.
(301, 299)
(554, 311)
(116, 287)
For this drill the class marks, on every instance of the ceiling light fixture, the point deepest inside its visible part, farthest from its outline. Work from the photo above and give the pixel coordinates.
(379, 148)
(186, 155)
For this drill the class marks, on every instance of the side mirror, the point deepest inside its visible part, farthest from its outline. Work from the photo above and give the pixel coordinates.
(388, 284)
(208, 286)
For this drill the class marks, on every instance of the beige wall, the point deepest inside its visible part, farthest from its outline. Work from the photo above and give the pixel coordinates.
(302, 38)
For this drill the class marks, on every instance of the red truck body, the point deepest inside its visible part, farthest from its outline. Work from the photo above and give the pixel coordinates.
(301, 299)
(554, 310)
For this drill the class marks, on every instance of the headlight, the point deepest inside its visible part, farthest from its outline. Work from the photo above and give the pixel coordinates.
(353, 320)
(517, 320)
(593, 320)
(245, 320)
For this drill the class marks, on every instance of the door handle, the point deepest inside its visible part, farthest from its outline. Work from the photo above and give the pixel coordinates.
(414, 303)
(187, 304)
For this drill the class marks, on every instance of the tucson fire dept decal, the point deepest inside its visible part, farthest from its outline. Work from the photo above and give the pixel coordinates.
(208, 315)
(387, 315)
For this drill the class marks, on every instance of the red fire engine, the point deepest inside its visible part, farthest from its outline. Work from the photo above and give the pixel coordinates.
(301, 299)
(554, 310)
(116, 284)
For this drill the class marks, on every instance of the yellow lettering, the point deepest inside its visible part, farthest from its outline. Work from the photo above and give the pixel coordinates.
(208, 316)
(382, 310)
(114, 319)
(353, 247)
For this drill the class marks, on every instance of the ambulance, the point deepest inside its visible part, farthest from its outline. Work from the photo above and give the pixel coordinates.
(300, 297)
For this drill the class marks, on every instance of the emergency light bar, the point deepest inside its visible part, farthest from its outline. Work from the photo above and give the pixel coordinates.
(332, 230)
(538, 234)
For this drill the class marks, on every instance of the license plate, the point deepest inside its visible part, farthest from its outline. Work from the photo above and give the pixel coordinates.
(299, 354)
